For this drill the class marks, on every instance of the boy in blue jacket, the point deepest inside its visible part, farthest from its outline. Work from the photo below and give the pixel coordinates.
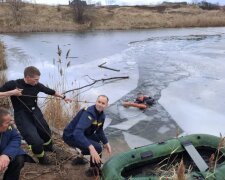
(12, 157)
(85, 132)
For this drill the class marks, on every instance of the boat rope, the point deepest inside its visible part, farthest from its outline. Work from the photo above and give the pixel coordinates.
(35, 117)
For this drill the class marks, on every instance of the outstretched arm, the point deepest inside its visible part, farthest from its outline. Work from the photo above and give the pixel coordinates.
(15, 92)
(63, 96)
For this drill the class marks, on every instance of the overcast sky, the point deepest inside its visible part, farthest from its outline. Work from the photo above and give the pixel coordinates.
(125, 2)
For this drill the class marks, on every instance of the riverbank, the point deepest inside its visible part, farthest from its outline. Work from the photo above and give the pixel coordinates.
(44, 18)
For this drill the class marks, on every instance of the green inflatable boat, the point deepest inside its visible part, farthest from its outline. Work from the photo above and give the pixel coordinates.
(143, 163)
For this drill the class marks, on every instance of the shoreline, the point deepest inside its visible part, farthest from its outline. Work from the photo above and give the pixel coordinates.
(93, 30)
(45, 18)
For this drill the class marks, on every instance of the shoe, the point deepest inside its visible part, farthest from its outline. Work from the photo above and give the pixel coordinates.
(52, 148)
(48, 148)
(93, 172)
(79, 161)
(44, 160)
(56, 149)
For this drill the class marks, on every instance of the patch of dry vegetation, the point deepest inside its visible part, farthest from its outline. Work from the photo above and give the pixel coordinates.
(56, 111)
(2, 57)
(137, 18)
(4, 101)
(37, 18)
(60, 18)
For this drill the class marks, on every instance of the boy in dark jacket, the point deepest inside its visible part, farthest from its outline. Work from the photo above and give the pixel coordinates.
(85, 132)
(12, 157)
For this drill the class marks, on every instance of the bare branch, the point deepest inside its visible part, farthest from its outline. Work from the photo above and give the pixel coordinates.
(95, 81)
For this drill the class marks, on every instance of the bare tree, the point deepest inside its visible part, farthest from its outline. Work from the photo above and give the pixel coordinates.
(194, 1)
(78, 7)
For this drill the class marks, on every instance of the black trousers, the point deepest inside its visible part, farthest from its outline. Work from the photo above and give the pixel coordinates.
(94, 140)
(33, 128)
(14, 168)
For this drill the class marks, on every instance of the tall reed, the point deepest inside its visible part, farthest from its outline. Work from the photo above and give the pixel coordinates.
(56, 111)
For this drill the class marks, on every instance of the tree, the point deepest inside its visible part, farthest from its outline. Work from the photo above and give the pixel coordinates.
(78, 7)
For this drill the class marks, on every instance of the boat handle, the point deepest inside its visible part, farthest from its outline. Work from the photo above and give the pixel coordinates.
(146, 154)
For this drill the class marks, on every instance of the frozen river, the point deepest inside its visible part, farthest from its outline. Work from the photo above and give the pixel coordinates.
(183, 69)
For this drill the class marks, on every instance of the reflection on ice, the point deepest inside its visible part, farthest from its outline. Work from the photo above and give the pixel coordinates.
(195, 118)
(197, 104)
(127, 124)
(128, 113)
(163, 129)
(135, 141)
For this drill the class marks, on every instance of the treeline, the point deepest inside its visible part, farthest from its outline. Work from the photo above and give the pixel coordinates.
(208, 6)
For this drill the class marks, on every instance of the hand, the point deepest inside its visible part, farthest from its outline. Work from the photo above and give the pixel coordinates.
(4, 162)
(95, 158)
(126, 103)
(16, 92)
(68, 100)
(108, 148)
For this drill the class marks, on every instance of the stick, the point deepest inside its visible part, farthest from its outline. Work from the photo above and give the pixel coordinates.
(101, 66)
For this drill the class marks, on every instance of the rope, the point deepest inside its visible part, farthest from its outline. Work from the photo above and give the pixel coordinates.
(54, 98)
(34, 117)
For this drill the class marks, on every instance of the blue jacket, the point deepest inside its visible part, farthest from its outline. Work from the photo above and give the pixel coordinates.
(10, 142)
(86, 123)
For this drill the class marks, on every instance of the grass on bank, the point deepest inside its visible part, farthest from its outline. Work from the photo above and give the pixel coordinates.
(36, 18)
(4, 101)
(3, 65)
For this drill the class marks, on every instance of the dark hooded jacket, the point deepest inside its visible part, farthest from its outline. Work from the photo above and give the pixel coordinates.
(10, 142)
(86, 123)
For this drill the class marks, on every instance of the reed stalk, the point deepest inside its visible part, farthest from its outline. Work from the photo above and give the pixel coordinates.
(56, 111)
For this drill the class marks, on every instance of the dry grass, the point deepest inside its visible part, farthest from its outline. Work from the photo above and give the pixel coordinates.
(3, 65)
(54, 113)
(4, 101)
(136, 18)
(52, 18)
(59, 114)
(37, 18)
